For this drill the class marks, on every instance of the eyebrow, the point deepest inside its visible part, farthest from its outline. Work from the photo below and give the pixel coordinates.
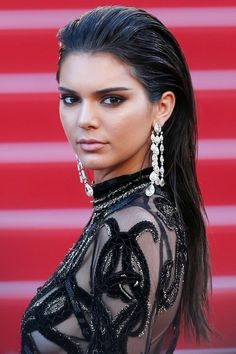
(106, 90)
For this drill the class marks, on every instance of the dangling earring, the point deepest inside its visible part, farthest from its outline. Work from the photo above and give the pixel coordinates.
(83, 178)
(157, 175)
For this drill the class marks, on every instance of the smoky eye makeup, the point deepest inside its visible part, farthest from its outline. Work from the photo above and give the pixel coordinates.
(113, 100)
(69, 100)
(107, 96)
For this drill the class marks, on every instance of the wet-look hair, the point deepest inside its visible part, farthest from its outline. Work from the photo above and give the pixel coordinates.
(142, 42)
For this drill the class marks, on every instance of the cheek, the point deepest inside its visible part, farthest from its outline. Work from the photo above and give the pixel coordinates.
(137, 124)
(131, 131)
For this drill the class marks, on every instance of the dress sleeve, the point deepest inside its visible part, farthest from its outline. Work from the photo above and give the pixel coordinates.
(125, 276)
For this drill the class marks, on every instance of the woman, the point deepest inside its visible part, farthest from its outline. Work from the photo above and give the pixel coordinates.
(141, 264)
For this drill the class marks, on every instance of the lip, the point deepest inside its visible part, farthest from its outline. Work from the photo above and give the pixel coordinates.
(90, 145)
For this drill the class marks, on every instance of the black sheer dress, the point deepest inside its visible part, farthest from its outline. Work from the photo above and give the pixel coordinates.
(118, 290)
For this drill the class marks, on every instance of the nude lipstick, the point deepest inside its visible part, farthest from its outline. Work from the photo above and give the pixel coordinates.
(90, 145)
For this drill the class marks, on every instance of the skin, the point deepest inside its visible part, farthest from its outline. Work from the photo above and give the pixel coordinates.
(121, 119)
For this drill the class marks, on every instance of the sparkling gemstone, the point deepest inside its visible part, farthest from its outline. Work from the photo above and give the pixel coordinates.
(156, 169)
(156, 150)
(153, 146)
(162, 170)
(150, 190)
(162, 158)
(88, 190)
(162, 147)
(157, 181)
(153, 176)
(154, 157)
(157, 128)
(162, 183)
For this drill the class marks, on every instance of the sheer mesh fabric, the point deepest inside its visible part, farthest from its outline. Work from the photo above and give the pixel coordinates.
(119, 288)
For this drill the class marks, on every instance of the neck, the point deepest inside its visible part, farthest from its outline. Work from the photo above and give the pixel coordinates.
(106, 174)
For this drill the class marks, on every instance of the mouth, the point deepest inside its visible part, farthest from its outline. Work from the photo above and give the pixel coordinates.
(90, 145)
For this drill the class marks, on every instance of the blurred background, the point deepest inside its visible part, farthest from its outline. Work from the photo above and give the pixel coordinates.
(43, 207)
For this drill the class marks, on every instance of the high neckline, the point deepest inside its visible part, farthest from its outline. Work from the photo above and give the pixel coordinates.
(109, 192)
(106, 187)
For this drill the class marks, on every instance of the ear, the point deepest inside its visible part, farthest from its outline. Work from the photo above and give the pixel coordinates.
(164, 107)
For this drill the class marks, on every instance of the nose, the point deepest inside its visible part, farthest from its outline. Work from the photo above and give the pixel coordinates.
(87, 116)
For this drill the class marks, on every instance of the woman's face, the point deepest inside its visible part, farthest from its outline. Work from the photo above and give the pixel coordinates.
(106, 114)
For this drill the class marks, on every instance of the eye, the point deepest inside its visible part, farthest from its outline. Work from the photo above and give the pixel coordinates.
(68, 100)
(113, 100)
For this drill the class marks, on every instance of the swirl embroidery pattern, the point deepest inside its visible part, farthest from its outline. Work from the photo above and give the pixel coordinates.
(131, 284)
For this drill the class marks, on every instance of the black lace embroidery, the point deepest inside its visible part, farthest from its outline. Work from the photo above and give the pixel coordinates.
(119, 271)
(129, 285)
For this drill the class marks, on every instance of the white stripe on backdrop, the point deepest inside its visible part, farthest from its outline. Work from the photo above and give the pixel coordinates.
(46, 82)
(172, 17)
(27, 288)
(219, 215)
(208, 149)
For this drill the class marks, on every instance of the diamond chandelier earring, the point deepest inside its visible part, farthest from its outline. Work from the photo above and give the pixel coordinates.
(157, 175)
(83, 178)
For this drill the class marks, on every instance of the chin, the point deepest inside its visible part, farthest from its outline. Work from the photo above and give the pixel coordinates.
(94, 165)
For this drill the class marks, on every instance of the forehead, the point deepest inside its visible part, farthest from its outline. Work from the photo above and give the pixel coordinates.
(96, 70)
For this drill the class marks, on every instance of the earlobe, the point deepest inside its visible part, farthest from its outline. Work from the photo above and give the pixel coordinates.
(165, 107)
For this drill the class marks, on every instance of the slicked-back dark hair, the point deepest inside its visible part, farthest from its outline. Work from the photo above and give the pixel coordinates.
(146, 45)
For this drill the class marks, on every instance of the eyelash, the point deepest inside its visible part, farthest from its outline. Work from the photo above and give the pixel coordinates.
(64, 97)
(77, 99)
(117, 98)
